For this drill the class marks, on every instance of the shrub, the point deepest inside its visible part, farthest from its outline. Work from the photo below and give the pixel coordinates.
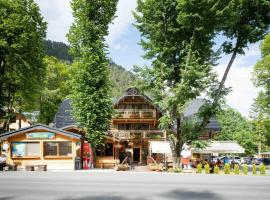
(216, 169)
(155, 167)
(177, 170)
(207, 169)
(199, 168)
(254, 169)
(245, 169)
(227, 168)
(236, 170)
(262, 169)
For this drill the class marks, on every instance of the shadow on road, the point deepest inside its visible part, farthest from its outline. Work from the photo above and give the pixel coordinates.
(6, 198)
(107, 197)
(191, 195)
(174, 194)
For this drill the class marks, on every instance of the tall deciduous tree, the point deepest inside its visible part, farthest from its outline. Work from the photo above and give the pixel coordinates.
(22, 31)
(178, 37)
(242, 22)
(91, 100)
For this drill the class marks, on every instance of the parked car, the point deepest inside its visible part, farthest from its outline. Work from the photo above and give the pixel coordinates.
(232, 159)
(265, 161)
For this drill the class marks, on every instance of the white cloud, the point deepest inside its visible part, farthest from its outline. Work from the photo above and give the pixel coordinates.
(120, 47)
(123, 20)
(239, 78)
(58, 15)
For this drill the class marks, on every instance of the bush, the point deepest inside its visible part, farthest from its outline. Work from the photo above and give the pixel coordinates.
(245, 169)
(156, 167)
(236, 169)
(122, 167)
(199, 168)
(177, 170)
(216, 169)
(262, 169)
(207, 169)
(254, 169)
(227, 168)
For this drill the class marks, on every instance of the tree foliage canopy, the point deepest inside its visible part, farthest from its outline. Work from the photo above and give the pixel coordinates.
(91, 95)
(22, 31)
(235, 127)
(55, 88)
(178, 40)
(261, 106)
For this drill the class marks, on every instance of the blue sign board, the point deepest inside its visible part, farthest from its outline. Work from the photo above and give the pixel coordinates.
(40, 135)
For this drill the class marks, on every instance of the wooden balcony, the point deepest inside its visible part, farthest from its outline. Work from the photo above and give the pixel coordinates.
(138, 134)
(135, 114)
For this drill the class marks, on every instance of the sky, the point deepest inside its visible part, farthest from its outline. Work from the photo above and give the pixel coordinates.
(124, 49)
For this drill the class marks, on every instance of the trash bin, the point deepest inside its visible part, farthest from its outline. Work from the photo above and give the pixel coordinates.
(78, 164)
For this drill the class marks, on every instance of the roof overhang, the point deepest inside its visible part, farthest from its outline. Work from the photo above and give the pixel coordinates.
(220, 147)
(39, 127)
(160, 147)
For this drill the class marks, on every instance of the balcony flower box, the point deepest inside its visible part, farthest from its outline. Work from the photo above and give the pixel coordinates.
(120, 115)
(147, 115)
(134, 115)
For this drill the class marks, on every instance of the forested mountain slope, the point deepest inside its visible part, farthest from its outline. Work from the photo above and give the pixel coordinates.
(121, 78)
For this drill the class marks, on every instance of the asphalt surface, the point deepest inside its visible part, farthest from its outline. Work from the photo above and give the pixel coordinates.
(131, 186)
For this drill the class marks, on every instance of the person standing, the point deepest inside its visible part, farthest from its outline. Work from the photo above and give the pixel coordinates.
(2, 162)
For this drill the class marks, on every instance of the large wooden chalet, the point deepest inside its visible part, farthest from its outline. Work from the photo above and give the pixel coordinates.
(134, 125)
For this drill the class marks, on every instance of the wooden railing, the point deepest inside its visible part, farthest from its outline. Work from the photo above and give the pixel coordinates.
(137, 134)
(135, 113)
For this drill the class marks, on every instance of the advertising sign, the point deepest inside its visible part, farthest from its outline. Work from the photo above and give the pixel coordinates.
(88, 159)
(18, 149)
(40, 135)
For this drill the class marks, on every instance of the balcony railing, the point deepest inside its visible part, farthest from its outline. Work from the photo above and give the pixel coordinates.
(138, 134)
(135, 113)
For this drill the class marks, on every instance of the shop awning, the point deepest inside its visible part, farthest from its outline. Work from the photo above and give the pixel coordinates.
(221, 147)
(160, 147)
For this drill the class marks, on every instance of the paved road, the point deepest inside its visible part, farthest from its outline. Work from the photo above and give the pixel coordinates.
(131, 186)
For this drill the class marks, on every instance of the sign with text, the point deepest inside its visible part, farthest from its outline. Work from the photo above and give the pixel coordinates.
(40, 135)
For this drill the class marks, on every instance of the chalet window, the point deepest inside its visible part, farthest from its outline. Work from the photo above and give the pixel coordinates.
(58, 148)
(107, 151)
(25, 149)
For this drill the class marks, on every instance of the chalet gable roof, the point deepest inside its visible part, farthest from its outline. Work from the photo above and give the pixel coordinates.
(39, 127)
(63, 117)
(133, 91)
(193, 109)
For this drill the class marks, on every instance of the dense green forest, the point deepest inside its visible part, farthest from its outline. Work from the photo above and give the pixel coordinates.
(57, 79)
(120, 78)
(57, 49)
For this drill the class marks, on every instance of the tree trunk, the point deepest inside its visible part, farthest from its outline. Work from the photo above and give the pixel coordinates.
(220, 87)
(20, 119)
(176, 145)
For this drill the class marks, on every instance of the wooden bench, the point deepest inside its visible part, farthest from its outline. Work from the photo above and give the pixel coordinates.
(39, 167)
(103, 162)
(112, 163)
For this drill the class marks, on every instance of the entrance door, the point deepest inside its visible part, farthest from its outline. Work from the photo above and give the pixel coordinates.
(136, 155)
